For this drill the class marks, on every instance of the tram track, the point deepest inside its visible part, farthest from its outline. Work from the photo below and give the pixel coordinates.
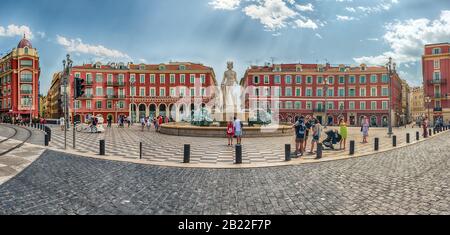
(30, 133)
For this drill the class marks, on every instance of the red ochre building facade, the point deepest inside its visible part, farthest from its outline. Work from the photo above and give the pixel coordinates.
(142, 90)
(436, 78)
(19, 82)
(299, 89)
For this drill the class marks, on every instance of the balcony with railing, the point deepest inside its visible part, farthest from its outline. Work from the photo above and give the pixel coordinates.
(438, 81)
(319, 110)
(438, 109)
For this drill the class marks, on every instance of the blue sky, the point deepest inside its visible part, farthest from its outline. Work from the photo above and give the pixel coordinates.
(215, 31)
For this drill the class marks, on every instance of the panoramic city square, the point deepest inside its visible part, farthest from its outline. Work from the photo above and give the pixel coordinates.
(230, 107)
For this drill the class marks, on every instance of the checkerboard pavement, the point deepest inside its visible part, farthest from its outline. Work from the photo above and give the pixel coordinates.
(160, 148)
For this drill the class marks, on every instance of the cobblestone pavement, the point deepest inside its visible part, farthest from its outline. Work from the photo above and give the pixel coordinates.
(15, 161)
(411, 180)
(162, 148)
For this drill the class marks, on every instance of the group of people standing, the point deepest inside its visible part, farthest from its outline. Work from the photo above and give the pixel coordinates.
(234, 129)
(157, 122)
(311, 126)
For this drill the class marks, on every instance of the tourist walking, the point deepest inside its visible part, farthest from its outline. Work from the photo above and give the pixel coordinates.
(109, 121)
(365, 129)
(160, 122)
(308, 124)
(343, 131)
(230, 133)
(149, 123)
(129, 121)
(300, 132)
(142, 123)
(62, 123)
(425, 127)
(238, 130)
(317, 130)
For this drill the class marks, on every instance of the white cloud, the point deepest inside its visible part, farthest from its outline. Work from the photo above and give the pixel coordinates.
(345, 18)
(407, 39)
(307, 7)
(306, 24)
(319, 36)
(41, 34)
(13, 30)
(77, 46)
(225, 4)
(273, 14)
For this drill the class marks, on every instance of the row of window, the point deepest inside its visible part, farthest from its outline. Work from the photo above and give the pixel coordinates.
(298, 79)
(99, 104)
(319, 92)
(174, 92)
(143, 77)
(320, 105)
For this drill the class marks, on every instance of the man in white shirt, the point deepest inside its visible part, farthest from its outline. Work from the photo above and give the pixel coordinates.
(238, 130)
(62, 123)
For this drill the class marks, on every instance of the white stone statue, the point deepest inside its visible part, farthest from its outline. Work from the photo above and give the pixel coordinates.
(229, 101)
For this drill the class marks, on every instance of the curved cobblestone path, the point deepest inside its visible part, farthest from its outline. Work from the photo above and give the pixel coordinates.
(412, 180)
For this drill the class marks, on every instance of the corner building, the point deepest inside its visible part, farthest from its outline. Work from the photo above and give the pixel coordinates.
(173, 90)
(436, 78)
(19, 82)
(325, 91)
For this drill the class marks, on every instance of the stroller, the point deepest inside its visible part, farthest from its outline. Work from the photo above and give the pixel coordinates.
(333, 137)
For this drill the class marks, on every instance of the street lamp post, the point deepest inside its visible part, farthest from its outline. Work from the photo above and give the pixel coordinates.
(67, 65)
(391, 68)
(326, 102)
(30, 98)
(428, 102)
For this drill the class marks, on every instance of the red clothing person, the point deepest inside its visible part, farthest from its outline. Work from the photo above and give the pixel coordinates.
(230, 129)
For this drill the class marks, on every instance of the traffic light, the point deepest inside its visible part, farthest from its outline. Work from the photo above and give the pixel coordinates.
(79, 87)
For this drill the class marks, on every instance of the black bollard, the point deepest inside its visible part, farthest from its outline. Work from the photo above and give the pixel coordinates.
(417, 135)
(319, 151)
(377, 144)
(102, 147)
(430, 133)
(46, 139)
(352, 147)
(238, 154)
(408, 138)
(434, 131)
(140, 150)
(49, 132)
(287, 152)
(187, 153)
(394, 141)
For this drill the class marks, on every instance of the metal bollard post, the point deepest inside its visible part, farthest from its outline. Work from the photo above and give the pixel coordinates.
(434, 131)
(46, 139)
(287, 152)
(49, 132)
(408, 138)
(394, 141)
(140, 150)
(352, 147)
(238, 154)
(187, 153)
(319, 151)
(102, 147)
(430, 133)
(377, 144)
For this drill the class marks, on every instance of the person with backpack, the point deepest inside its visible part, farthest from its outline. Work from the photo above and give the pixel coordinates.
(300, 133)
(317, 130)
(230, 133)
(309, 124)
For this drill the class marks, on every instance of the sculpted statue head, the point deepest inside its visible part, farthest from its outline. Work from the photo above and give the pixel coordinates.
(230, 65)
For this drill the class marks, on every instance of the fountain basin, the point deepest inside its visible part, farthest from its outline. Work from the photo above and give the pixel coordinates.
(185, 129)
